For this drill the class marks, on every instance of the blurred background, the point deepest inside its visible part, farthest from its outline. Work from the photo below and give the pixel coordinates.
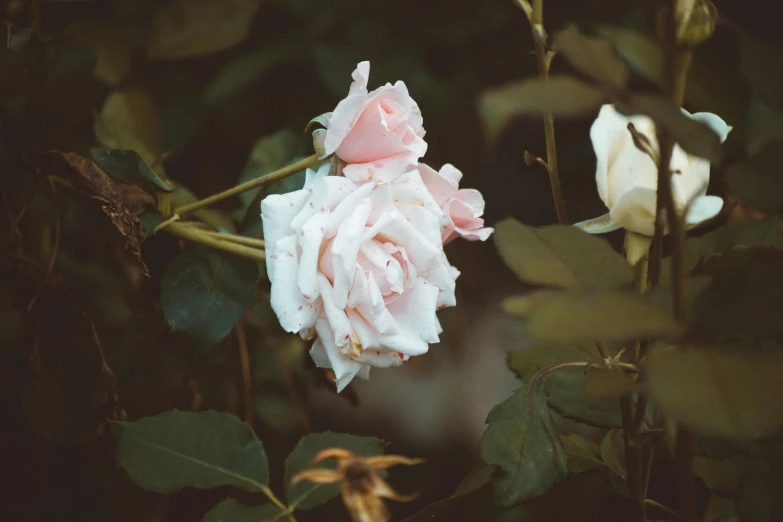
(193, 85)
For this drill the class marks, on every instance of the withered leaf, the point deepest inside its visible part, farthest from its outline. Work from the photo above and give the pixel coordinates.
(122, 202)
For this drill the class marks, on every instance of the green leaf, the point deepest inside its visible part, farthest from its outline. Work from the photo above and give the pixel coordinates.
(743, 300)
(610, 455)
(560, 256)
(583, 455)
(307, 495)
(693, 136)
(720, 475)
(607, 382)
(718, 392)
(762, 66)
(593, 57)
(128, 167)
(642, 52)
(719, 509)
(757, 182)
(199, 27)
(523, 442)
(566, 318)
(231, 510)
(733, 235)
(205, 292)
(179, 449)
(564, 388)
(562, 95)
(241, 72)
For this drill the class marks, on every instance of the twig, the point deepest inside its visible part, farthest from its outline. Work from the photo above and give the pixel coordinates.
(658, 505)
(543, 59)
(202, 237)
(289, 170)
(244, 359)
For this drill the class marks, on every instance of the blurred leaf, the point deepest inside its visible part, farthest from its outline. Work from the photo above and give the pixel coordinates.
(149, 220)
(128, 167)
(231, 510)
(181, 117)
(562, 95)
(744, 298)
(113, 51)
(611, 317)
(522, 440)
(130, 120)
(731, 236)
(188, 28)
(720, 509)
(757, 182)
(204, 292)
(22, 84)
(561, 256)
(641, 51)
(270, 153)
(756, 500)
(593, 57)
(718, 392)
(720, 475)
(123, 203)
(762, 66)
(241, 72)
(693, 136)
(611, 457)
(583, 455)
(277, 411)
(308, 495)
(763, 125)
(179, 449)
(563, 388)
(607, 383)
(469, 487)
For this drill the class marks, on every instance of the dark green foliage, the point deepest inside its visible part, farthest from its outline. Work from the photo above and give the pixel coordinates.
(204, 293)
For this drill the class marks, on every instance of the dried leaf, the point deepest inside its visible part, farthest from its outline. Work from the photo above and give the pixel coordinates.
(122, 202)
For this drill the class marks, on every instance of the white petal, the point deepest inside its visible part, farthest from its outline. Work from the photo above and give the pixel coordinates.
(599, 225)
(345, 250)
(703, 209)
(345, 368)
(292, 309)
(346, 207)
(637, 246)
(635, 211)
(414, 313)
(277, 212)
(339, 325)
(325, 194)
(715, 122)
(310, 239)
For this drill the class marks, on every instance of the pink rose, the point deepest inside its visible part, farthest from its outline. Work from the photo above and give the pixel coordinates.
(463, 208)
(360, 266)
(379, 133)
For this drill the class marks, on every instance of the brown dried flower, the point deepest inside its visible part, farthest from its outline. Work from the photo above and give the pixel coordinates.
(362, 489)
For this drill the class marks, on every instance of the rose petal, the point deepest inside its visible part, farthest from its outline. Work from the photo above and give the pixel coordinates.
(277, 212)
(635, 210)
(291, 307)
(703, 209)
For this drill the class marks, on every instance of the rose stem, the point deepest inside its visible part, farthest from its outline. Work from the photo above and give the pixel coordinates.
(677, 61)
(203, 237)
(543, 62)
(289, 170)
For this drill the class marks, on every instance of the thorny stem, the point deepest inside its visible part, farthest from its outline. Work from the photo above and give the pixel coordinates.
(203, 237)
(676, 70)
(542, 61)
(279, 174)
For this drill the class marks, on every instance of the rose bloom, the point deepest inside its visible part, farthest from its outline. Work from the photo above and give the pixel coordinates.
(360, 266)
(627, 177)
(463, 208)
(379, 133)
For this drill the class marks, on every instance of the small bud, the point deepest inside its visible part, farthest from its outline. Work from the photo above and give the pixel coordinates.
(695, 22)
(530, 159)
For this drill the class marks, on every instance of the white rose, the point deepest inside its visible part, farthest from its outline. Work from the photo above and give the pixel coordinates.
(360, 266)
(627, 177)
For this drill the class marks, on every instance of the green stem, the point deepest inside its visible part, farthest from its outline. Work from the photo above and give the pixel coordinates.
(203, 237)
(271, 496)
(234, 238)
(542, 62)
(250, 185)
(677, 62)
